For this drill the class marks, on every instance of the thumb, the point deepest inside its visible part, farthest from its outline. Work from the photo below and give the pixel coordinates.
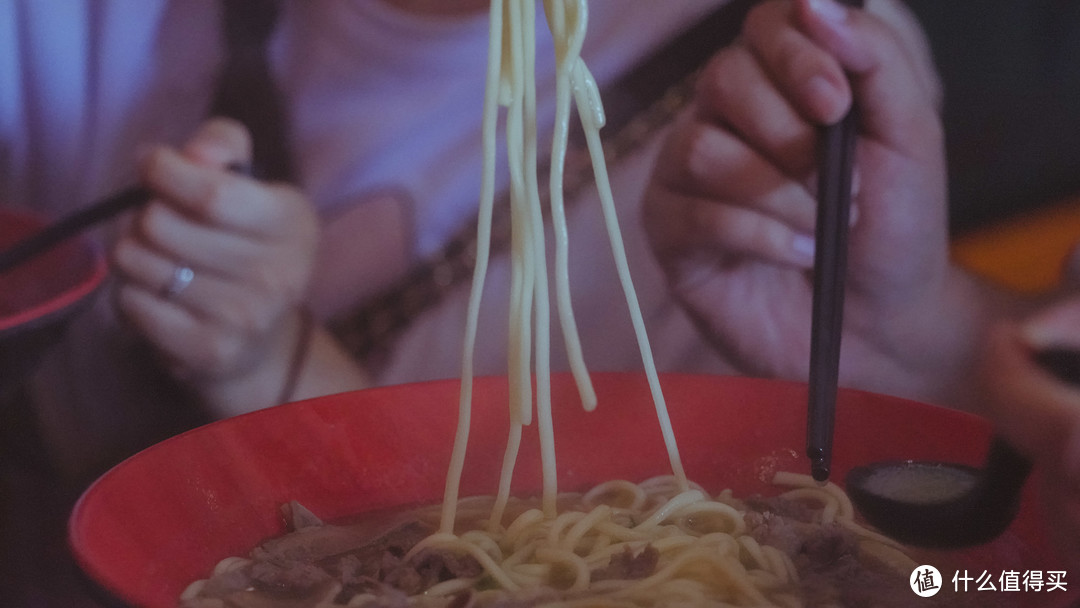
(887, 59)
(220, 143)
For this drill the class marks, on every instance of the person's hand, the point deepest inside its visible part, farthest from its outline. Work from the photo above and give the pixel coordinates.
(249, 246)
(730, 210)
(1039, 413)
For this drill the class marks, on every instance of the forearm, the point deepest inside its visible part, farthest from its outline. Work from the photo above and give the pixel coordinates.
(327, 369)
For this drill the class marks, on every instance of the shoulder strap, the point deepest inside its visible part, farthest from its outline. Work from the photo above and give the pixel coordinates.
(246, 90)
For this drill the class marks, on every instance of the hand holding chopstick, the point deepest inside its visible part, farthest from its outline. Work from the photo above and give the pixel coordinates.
(733, 192)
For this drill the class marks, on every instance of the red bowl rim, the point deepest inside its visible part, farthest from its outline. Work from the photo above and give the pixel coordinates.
(87, 284)
(1040, 545)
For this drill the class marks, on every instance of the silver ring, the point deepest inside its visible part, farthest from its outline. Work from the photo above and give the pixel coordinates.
(181, 278)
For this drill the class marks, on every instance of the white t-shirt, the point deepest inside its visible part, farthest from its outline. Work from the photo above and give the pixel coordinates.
(381, 101)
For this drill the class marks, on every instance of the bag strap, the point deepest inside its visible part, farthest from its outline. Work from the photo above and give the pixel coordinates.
(246, 90)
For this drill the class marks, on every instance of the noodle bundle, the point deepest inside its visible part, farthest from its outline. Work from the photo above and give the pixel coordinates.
(661, 542)
(511, 83)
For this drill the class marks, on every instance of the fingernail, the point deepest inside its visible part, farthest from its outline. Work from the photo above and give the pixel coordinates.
(803, 246)
(829, 10)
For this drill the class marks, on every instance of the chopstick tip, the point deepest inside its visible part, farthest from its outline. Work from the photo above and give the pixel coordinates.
(819, 468)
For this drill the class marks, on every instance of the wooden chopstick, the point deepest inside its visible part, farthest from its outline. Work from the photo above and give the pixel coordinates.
(836, 163)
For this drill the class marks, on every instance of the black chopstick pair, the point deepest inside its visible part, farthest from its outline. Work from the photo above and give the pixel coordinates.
(70, 225)
(836, 164)
(67, 227)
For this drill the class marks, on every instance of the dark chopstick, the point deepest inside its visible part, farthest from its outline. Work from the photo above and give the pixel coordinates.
(70, 225)
(835, 166)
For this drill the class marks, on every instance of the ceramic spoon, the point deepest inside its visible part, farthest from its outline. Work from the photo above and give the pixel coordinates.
(943, 505)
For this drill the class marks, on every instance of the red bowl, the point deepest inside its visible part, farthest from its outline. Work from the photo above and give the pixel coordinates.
(164, 517)
(39, 297)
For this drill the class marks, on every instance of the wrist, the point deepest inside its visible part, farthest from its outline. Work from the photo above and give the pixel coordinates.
(927, 346)
(970, 308)
(298, 358)
(271, 378)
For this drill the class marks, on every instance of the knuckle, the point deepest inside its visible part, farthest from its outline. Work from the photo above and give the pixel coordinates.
(702, 152)
(791, 60)
(763, 237)
(256, 314)
(220, 353)
(722, 89)
(295, 210)
(230, 315)
(155, 165)
(728, 80)
(772, 238)
(122, 253)
(152, 224)
(715, 73)
(741, 231)
(267, 279)
(796, 154)
(760, 16)
(242, 317)
(214, 204)
(257, 325)
(717, 224)
(255, 319)
(125, 301)
(288, 208)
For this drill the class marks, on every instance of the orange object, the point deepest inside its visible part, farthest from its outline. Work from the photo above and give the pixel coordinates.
(1026, 253)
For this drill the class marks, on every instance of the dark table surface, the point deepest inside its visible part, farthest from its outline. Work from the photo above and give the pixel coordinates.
(36, 568)
(1011, 74)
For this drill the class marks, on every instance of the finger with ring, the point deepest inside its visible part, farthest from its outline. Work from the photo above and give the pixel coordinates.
(182, 277)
